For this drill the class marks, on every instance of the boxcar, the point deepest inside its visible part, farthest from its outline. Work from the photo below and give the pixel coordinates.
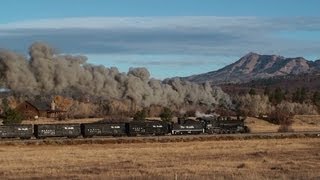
(103, 129)
(57, 130)
(16, 131)
(147, 128)
(187, 127)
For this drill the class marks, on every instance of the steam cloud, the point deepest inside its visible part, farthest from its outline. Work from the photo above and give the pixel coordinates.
(47, 72)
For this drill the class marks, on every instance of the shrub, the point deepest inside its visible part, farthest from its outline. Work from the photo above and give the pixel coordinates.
(285, 128)
(140, 115)
(62, 117)
(11, 116)
(282, 114)
(166, 114)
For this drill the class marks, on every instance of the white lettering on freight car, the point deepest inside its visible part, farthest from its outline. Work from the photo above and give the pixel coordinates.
(187, 127)
(157, 126)
(115, 127)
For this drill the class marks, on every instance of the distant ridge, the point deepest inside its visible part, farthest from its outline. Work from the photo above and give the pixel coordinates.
(255, 66)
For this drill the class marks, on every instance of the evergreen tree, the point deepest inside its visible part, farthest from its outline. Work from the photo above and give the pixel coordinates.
(140, 115)
(10, 116)
(252, 92)
(300, 95)
(296, 95)
(266, 91)
(278, 96)
(303, 95)
(316, 98)
(166, 114)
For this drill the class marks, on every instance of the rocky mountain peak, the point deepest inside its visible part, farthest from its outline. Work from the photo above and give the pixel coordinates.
(254, 66)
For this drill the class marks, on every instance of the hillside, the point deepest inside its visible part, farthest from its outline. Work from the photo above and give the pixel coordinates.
(310, 81)
(255, 66)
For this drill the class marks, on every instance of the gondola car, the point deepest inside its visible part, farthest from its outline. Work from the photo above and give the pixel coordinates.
(188, 126)
(103, 129)
(57, 130)
(151, 127)
(16, 131)
(155, 127)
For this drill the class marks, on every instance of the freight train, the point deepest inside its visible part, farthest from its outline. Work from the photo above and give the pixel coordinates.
(134, 128)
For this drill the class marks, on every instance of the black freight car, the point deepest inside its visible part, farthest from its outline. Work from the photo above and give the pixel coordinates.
(16, 131)
(188, 126)
(103, 129)
(157, 128)
(152, 127)
(57, 130)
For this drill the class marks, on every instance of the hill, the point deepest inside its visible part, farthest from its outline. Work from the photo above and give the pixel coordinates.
(309, 81)
(255, 66)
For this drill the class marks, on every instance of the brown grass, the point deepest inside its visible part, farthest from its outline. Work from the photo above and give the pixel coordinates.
(258, 125)
(306, 123)
(300, 123)
(238, 159)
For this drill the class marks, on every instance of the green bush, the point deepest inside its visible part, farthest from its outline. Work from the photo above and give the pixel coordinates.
(140, 115)
(11, 116)
(166, 115)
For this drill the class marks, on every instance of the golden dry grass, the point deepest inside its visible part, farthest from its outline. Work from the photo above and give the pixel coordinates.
(238, 159)
(300, 123)
(259, 125)
(306, 123)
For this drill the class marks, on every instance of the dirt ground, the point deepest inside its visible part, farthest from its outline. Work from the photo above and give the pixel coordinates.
(238, 159)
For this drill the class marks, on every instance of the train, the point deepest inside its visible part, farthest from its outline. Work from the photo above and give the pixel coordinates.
(206, 125)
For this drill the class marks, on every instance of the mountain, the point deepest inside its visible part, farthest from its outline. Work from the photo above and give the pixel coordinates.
(255, 66)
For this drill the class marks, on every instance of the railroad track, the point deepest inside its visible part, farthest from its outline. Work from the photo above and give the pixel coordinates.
(162, 139)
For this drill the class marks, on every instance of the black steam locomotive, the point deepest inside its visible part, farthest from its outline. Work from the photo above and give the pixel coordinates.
(135, 128)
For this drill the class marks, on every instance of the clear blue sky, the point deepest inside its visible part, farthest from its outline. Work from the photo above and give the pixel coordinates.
(166, 36)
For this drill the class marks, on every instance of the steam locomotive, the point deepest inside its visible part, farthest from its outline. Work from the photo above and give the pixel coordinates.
(134, 128)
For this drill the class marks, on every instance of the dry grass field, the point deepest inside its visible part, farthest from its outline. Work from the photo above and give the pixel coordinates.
(300, 123)
(238, 159)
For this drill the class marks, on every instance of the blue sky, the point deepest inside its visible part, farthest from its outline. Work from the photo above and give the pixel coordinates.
(169, 37)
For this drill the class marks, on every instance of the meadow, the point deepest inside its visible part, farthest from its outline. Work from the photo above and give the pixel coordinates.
(225, 159)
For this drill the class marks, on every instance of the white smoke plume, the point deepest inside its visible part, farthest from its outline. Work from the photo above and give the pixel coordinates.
(47, 72)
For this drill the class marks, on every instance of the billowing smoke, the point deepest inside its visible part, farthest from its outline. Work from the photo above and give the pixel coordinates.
(47, 72)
